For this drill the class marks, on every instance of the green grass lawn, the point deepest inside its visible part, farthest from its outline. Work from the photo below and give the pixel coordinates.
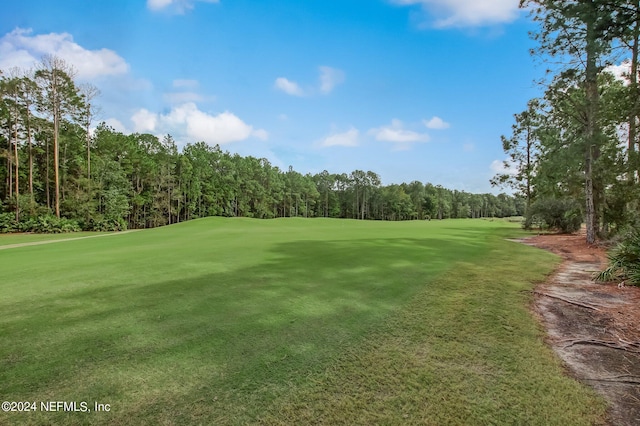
(288, 321)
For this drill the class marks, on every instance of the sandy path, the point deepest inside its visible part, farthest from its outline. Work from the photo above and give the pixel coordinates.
(37, 243)
(593, 327)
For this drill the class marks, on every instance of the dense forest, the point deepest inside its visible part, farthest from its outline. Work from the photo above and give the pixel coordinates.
(573, 153)
(61, 174)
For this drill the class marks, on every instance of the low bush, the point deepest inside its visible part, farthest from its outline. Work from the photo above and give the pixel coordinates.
(8, 223)
(49, 224)
(561, 214)
(46, 224)
(108, 225)
(624, 261)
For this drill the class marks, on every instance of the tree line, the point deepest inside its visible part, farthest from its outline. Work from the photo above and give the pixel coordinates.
(573, 152)
(59, 173)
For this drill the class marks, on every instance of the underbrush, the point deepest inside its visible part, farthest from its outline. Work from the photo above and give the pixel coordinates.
(624, 261)
(563, 215)
(48, 224)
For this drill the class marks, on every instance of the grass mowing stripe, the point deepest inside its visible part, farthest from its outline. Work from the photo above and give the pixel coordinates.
(228, 321)
(465, 350)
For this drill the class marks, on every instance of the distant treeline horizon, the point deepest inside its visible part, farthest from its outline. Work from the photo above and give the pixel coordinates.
(58, 175)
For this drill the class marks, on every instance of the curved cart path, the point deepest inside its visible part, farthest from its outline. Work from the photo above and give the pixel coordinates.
(37, 243)
(593, 327)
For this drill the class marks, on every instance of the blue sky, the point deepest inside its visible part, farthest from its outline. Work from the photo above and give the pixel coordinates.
(409, 89)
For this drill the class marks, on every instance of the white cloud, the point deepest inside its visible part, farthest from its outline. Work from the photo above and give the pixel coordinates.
(261, 134)
(144, 121)
(621, 71)
(288, 87)
(396, 133)
(503, 167)
(20, 48)
(177, 6)
(116, 125)
(187, 94)
(348, 138)
(158, 4)
(222, 128)
(466, 13)
(436, 123)
(188, 124)
(330, 78)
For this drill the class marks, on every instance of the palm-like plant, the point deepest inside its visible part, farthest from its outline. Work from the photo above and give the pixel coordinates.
(624, 261)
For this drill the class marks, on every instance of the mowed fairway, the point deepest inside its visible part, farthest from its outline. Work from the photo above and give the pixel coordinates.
(287, 321)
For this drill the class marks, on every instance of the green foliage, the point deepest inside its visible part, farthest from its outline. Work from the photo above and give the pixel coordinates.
(49, 224)
(624, 261)
(8, 223)
(585, 128)
(45, 224)
(141, 181)
(107, 224)
(522, 148)
(562, 214)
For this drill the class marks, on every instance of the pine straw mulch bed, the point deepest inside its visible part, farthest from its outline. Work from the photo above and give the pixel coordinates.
(593, 327)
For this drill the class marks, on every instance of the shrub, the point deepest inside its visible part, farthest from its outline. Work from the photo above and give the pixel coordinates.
(108, 225)
(562, 214)
(48, 224)
(624, 261)
(8, 223)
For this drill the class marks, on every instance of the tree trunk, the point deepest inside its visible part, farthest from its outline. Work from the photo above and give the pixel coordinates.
(10, 168)
(63, 173)
(528, 176)
(590, 208)
(30, 144)
(178, 210)
(633, 158)
(47, 189)
(17, 167)
(88, 156)
(326, 204)
(56, 161)
(591, 130)
(9, 182)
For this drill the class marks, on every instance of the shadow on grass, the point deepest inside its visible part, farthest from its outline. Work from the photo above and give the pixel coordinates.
(236, 337)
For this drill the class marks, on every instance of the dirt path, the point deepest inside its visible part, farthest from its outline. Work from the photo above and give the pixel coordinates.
(593, 327)
(37, 243)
